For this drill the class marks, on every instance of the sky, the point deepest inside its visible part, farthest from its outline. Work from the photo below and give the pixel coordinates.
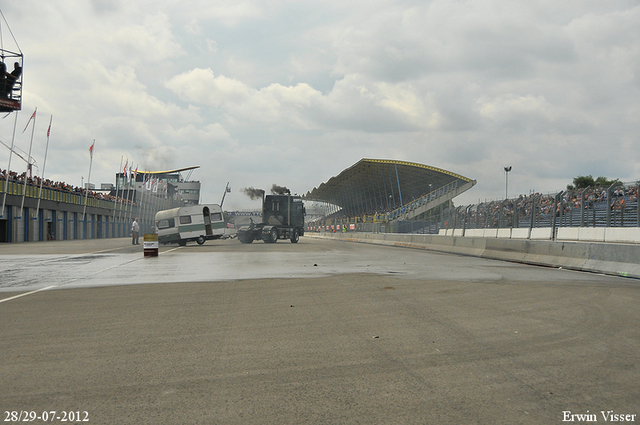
(292, 92)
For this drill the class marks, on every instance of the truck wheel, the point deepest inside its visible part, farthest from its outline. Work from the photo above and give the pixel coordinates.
(182, 243)
(245, 239)
(201, 240)
(273, 235)
(296, 236)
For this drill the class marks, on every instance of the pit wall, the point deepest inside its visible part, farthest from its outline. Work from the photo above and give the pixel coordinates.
(620, 259)
(575, 234)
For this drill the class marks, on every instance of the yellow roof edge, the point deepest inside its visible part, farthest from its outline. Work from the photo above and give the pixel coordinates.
(415, 164)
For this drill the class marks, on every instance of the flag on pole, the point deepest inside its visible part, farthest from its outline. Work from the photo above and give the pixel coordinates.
(125, 168)
(135, 175)
(86, 192)
(33, 116)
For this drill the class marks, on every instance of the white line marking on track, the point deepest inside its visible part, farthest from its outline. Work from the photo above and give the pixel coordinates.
(73, 280)
(27, 293)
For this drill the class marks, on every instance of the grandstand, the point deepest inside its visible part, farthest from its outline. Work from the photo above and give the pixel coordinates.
(387, 196)
(381, 190)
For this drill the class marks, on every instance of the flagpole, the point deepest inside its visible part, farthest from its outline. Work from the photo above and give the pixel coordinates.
(132, 193)
(24, 188)
(124, 181)
(6, 183)
(115, 201)
(44, 166)
(86, 191)
(129, 196)
(145, 204)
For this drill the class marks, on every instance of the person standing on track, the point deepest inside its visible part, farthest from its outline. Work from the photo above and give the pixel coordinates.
(135, 232)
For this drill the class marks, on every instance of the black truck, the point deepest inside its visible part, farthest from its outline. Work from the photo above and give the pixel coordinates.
(282, 218)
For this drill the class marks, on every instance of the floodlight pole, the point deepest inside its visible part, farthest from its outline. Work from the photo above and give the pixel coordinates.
(506, 181)
(226, 190)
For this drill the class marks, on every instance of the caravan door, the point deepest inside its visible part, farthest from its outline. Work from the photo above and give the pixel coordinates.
(207, 221)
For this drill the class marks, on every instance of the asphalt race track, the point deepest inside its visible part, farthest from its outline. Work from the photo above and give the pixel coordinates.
(322, 332)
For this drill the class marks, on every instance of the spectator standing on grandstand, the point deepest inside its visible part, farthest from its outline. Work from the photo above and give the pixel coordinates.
(135, 232)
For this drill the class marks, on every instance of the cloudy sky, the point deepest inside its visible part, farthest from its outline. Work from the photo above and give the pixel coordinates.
(292, 92)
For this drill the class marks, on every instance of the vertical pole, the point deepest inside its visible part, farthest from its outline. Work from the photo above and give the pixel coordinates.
(124, 177)
(533, 212)
(44, 166)
(373, 194)
(24, 188)
(399, 190)
(506, 181)
(361, 203)
(86, 193)
(130, 197)
(638, 204)
(6, 183)
(115, 201)
(582, 202)
(393, 195)
(608, 224)
(380, 191)
(363, 188)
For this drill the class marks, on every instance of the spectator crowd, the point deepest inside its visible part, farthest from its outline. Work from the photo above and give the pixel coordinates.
(60, 186)
(502, 213)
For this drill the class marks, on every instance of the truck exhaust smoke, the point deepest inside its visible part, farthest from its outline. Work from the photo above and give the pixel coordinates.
(279, 190)
(252, 193)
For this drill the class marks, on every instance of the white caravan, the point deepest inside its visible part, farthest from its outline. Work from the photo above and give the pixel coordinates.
(192, 223)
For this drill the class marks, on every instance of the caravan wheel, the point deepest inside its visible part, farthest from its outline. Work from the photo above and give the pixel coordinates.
(201, 240)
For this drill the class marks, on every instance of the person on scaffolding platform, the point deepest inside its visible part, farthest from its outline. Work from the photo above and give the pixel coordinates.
(3, 73)
(11, 79)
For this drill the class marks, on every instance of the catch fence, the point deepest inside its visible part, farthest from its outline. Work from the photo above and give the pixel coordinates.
(613, 206)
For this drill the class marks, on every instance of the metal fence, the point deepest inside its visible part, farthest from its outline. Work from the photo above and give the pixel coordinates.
(613, 206)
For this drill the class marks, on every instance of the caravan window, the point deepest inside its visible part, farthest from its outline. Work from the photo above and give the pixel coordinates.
(216, 216)
(185, 219)
(166, 224)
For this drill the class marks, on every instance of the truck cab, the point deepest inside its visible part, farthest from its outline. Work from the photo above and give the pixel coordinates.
(282, 218)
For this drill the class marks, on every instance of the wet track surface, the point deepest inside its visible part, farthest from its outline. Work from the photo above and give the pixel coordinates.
(116, 263)
(316, 332)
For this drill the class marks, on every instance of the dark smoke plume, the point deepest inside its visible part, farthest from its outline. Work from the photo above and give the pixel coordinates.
(253, 193)
(279, 190)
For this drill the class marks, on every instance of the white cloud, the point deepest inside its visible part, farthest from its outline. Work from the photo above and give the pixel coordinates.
(203, 87)
(149, 42)
(553, 88)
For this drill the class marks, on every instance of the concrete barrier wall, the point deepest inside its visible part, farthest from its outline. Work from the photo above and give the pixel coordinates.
(609, 258)
(520, 233)
(582, 234)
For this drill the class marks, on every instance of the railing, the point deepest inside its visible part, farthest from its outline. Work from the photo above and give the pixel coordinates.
(614, 206)
(416, 203)
(48, 194)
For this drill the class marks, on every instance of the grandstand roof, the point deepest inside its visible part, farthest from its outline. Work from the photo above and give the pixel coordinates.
(372, 185)
(170, 171)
